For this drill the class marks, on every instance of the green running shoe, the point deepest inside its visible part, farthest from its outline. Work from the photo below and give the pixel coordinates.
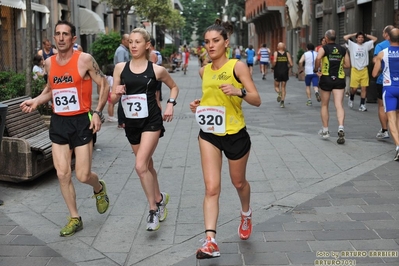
(102, 200)
(74, 225)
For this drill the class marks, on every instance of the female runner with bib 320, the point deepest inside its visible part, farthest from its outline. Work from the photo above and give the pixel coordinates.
(225, 83)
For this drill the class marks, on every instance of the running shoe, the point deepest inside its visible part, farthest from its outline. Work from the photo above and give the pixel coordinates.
(263, 76)
(350, 103)
(279, 97)
(153, 221)
(112, 119)
(102, 200)
(309, 103)
(341, 137)
(396, 156)
(382, 135)
(162, 210)
(74, 225)
(317, 94)
(324, 134)
(245, 228)
(209, 249)
(362, 108)
(282, 104)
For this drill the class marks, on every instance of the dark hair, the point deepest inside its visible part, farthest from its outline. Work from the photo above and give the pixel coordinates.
(264, 45)
(250, 47)
(321, 39)
(224, 28)
(359, 34)
(37, 59)
(310, 46)
(64, 22)
(109, 70)
(152, 41)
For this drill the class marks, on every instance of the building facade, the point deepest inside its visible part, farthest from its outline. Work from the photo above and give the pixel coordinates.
(298, 22)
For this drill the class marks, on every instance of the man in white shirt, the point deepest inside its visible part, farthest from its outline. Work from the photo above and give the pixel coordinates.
(359, 56)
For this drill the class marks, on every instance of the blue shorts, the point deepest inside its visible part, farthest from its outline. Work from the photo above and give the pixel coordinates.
(390, 96)
(238, 56)
(264, 63)
(312, 78)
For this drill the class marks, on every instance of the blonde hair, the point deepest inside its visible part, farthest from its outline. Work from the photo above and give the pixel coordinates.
(147, 37)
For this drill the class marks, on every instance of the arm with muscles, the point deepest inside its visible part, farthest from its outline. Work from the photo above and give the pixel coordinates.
(87, 62)
(274, 59)
(301, 64)
(163, 75)
(347, 60)
(250, 93)
(118, 89)
(371, 37)
(377, 64)
(317, 63)
(348, 36)
(32, 104)
(194, 104)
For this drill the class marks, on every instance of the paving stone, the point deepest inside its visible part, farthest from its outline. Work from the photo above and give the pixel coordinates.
(370, 216)
(375, 244)
(302, 226)
(43, 251)
(347, 202)
(388, 233)
(343, 225)
(268, 227)
(27, 241)
(274, 247)
(301, 258)
(288, 236)
(266, 259)
(345, 235)
(380, 201)
(334, 245)
(17, 251)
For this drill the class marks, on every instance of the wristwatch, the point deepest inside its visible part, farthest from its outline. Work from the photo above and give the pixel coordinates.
(100, 114)
(171, 100)
(243, 93)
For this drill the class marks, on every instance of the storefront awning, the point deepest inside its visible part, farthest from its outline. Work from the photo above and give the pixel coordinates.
(42, 9)
(13, 3)
(168, 39)
(90, 22)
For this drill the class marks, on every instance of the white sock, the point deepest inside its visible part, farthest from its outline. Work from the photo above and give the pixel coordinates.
(341, 128)
(248, 213)
(325, 129)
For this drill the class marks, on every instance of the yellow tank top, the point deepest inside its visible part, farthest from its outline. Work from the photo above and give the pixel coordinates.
(212, 95)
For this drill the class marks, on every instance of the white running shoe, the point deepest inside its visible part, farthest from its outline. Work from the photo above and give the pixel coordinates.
(153, 221)
(362, 108)
(382, 135)
(162, 210)
(324, 134)
(350, 103)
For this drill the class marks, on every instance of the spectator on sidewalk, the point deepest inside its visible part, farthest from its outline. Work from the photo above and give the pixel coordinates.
(382, 116)
(307, 62)
(228, 135)
(72, 126)
(47, 50)
(122, 55)
(359, 58)
(37, 69)
(282, 63)
(144, 120)
(330, 63)
(389, 60)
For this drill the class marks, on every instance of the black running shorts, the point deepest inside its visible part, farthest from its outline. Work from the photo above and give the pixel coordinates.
(379, 91)
(326, 83)
(234, 146)
(72, 130)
